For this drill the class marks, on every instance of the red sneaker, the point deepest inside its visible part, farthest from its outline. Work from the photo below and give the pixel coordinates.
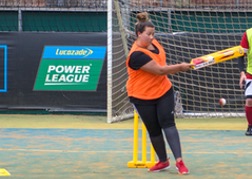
(160, 166)
(182, 169)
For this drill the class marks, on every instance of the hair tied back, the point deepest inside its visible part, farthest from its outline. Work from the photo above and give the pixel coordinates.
(143, 17)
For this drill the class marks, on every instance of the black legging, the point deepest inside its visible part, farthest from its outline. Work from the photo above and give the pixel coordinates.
(158, 115)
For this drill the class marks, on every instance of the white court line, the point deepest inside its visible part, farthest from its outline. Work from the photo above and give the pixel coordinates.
(118, 151)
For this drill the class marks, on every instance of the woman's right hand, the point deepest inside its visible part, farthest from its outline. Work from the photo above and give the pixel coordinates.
(186, 66)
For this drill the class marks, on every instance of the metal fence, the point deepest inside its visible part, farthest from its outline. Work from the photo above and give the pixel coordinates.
(54, 3)
(226, 4)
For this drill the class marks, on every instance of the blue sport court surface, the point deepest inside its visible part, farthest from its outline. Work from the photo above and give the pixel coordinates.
(103, 153)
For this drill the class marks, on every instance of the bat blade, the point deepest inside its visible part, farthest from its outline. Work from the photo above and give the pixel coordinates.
(217, 57)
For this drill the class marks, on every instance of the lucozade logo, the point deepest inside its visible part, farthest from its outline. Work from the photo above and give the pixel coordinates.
(70, 68)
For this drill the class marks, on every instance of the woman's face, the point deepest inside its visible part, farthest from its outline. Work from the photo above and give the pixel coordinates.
(146, 36)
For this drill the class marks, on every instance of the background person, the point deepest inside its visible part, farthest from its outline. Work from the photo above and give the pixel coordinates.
(246, 77)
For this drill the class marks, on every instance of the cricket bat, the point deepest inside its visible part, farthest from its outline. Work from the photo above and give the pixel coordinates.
(217, 57)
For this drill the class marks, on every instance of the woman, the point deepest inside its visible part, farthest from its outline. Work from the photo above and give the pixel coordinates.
(151, 92)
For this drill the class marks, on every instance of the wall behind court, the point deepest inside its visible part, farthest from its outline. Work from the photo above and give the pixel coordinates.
(26, 28)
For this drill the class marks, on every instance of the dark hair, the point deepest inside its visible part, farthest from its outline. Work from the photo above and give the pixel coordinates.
(142, 22)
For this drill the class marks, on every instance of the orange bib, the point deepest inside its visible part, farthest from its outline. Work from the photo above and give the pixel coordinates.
(144, 85)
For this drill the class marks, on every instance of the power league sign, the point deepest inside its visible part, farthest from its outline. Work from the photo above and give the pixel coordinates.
(70, 68)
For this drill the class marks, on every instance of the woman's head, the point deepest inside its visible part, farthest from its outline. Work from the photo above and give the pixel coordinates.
(143, 21)
(144, 29)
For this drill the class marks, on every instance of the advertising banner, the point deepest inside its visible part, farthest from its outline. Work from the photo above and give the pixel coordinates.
(53, 71)
(70, 68)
